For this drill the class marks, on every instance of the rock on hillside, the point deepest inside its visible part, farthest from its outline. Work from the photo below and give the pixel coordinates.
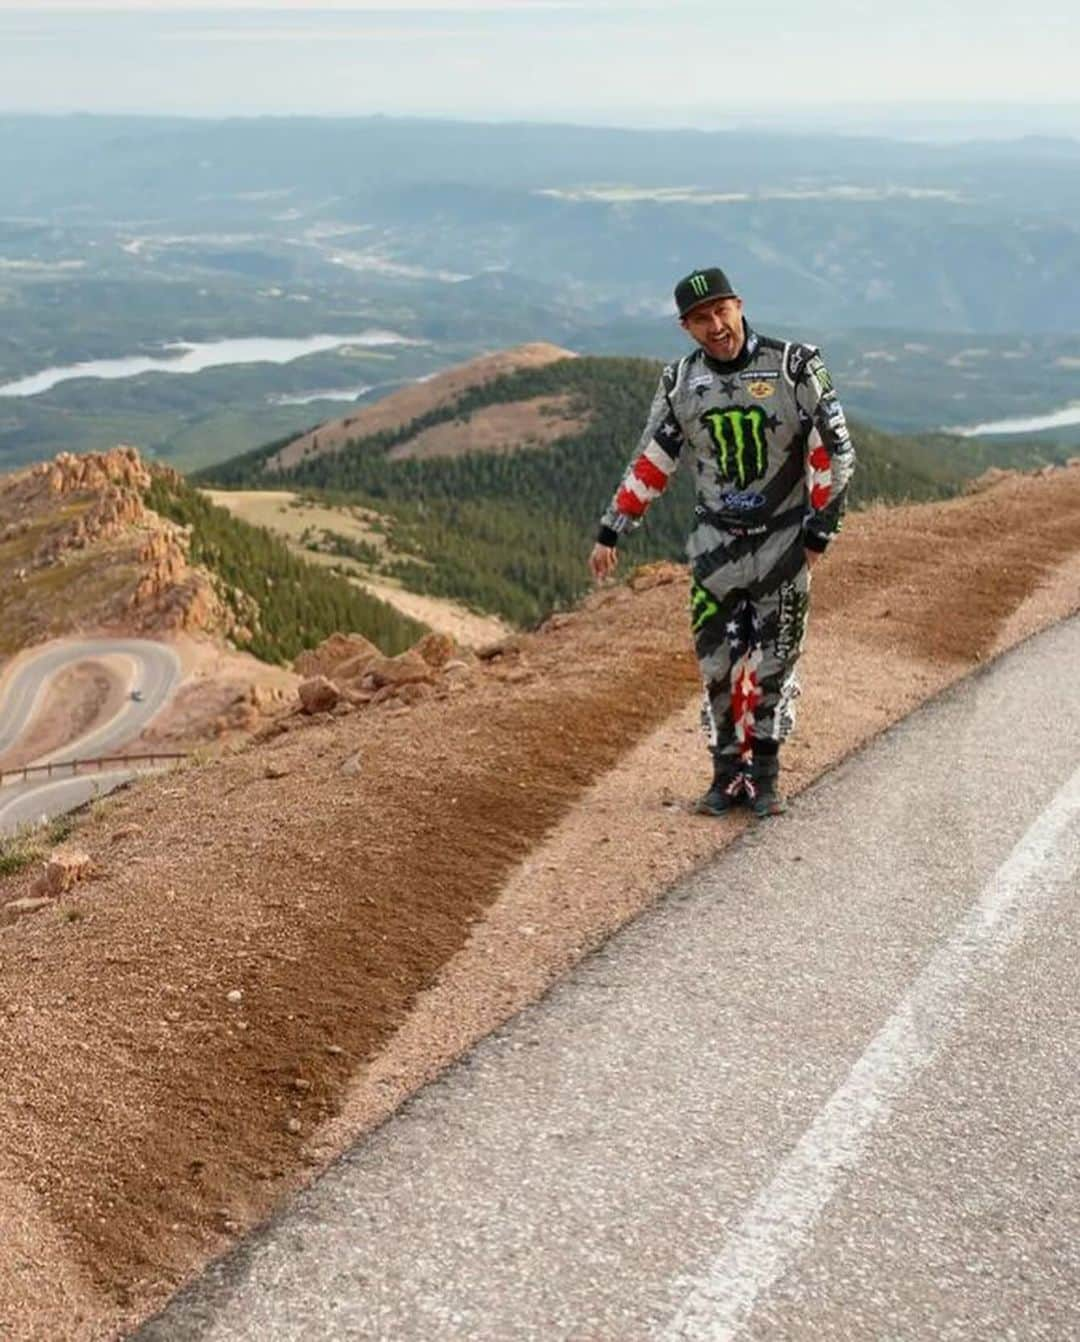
(79, 550)
(419, 399)
(346, 672)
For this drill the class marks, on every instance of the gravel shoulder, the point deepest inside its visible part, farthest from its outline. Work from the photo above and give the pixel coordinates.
(376, 922)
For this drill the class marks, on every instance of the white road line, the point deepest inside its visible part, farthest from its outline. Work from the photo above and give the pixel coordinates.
(780, 1222)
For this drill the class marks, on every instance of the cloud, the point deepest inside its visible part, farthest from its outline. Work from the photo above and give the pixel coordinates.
(312, 6)
(335, 35)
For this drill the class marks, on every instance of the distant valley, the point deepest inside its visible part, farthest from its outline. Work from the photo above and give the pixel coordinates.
(941, 280)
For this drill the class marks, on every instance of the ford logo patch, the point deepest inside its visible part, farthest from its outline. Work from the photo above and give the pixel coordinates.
(742, 503)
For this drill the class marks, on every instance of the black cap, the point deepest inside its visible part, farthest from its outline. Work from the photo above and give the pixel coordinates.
(701, 286)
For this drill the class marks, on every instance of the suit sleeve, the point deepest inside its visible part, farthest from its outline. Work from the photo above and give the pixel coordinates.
(830, 454)
(651, 467)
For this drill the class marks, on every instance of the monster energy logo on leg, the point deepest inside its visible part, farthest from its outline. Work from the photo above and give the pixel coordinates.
(700, 285)
(703, 607)
(739, 438)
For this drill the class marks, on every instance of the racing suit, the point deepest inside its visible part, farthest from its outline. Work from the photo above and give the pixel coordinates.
(767, 439)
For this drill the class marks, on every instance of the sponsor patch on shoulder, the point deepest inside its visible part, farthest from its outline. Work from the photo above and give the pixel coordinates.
(796, 360)
(702, 380)
(817, 370)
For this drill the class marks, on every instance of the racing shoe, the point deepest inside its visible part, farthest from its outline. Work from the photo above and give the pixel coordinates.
(727, 792)
(765, 799)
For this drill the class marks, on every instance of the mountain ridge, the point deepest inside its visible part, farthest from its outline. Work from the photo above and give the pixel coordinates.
(413, 402)
(500, 522)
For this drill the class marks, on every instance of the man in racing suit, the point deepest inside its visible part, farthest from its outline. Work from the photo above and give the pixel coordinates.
(761, 424)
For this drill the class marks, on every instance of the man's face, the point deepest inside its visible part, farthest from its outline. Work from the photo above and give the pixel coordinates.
(717, 326)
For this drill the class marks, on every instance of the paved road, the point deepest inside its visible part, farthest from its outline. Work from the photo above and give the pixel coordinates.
(827, 1089)
(155, 671)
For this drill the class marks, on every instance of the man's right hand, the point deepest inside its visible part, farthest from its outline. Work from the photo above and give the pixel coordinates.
(602, 561)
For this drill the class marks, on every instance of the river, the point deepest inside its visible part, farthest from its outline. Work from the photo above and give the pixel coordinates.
(194, 358)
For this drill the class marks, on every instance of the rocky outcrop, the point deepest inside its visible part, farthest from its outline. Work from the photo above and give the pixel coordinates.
(95, 472)
(108, 515)
(360, 676)
(134, 571)
(408, 668)
(170, 595)
(92, 498)
(334, 653)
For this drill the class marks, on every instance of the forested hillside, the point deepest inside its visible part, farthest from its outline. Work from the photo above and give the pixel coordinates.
(508, 532)
(297, 604)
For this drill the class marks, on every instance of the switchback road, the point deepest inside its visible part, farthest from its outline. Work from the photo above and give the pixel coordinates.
(155, 672)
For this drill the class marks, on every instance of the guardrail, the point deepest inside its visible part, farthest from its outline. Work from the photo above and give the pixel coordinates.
(72, 768)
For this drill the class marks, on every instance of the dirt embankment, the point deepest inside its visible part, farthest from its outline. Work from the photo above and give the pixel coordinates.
(278, 947)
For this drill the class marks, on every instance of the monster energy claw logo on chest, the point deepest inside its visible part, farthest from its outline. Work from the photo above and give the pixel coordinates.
(702, 607)
(738, 435)
(700, 285)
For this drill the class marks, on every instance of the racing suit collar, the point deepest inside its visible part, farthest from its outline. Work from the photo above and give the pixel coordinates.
(749, 349)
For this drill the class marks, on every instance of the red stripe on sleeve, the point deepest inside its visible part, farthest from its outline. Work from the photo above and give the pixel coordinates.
(819, 497)
(820, 459)
(649, 473)
(628, 502)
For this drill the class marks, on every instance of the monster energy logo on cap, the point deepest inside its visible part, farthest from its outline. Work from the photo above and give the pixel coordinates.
(700, 286)
(739, 438)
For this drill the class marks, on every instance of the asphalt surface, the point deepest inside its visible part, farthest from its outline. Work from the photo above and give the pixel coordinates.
(827, 1088)
(155, 672)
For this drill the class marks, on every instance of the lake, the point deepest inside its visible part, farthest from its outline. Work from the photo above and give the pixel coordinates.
(1056, 419)
(342, 394)
(194, 358)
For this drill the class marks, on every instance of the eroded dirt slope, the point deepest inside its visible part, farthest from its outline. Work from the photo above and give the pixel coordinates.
(277, 947)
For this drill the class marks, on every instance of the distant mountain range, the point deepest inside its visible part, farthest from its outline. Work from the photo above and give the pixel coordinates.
(120, 235)
(824, 229)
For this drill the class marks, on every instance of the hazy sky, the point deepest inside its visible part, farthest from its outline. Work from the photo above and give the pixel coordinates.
(695, 61)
